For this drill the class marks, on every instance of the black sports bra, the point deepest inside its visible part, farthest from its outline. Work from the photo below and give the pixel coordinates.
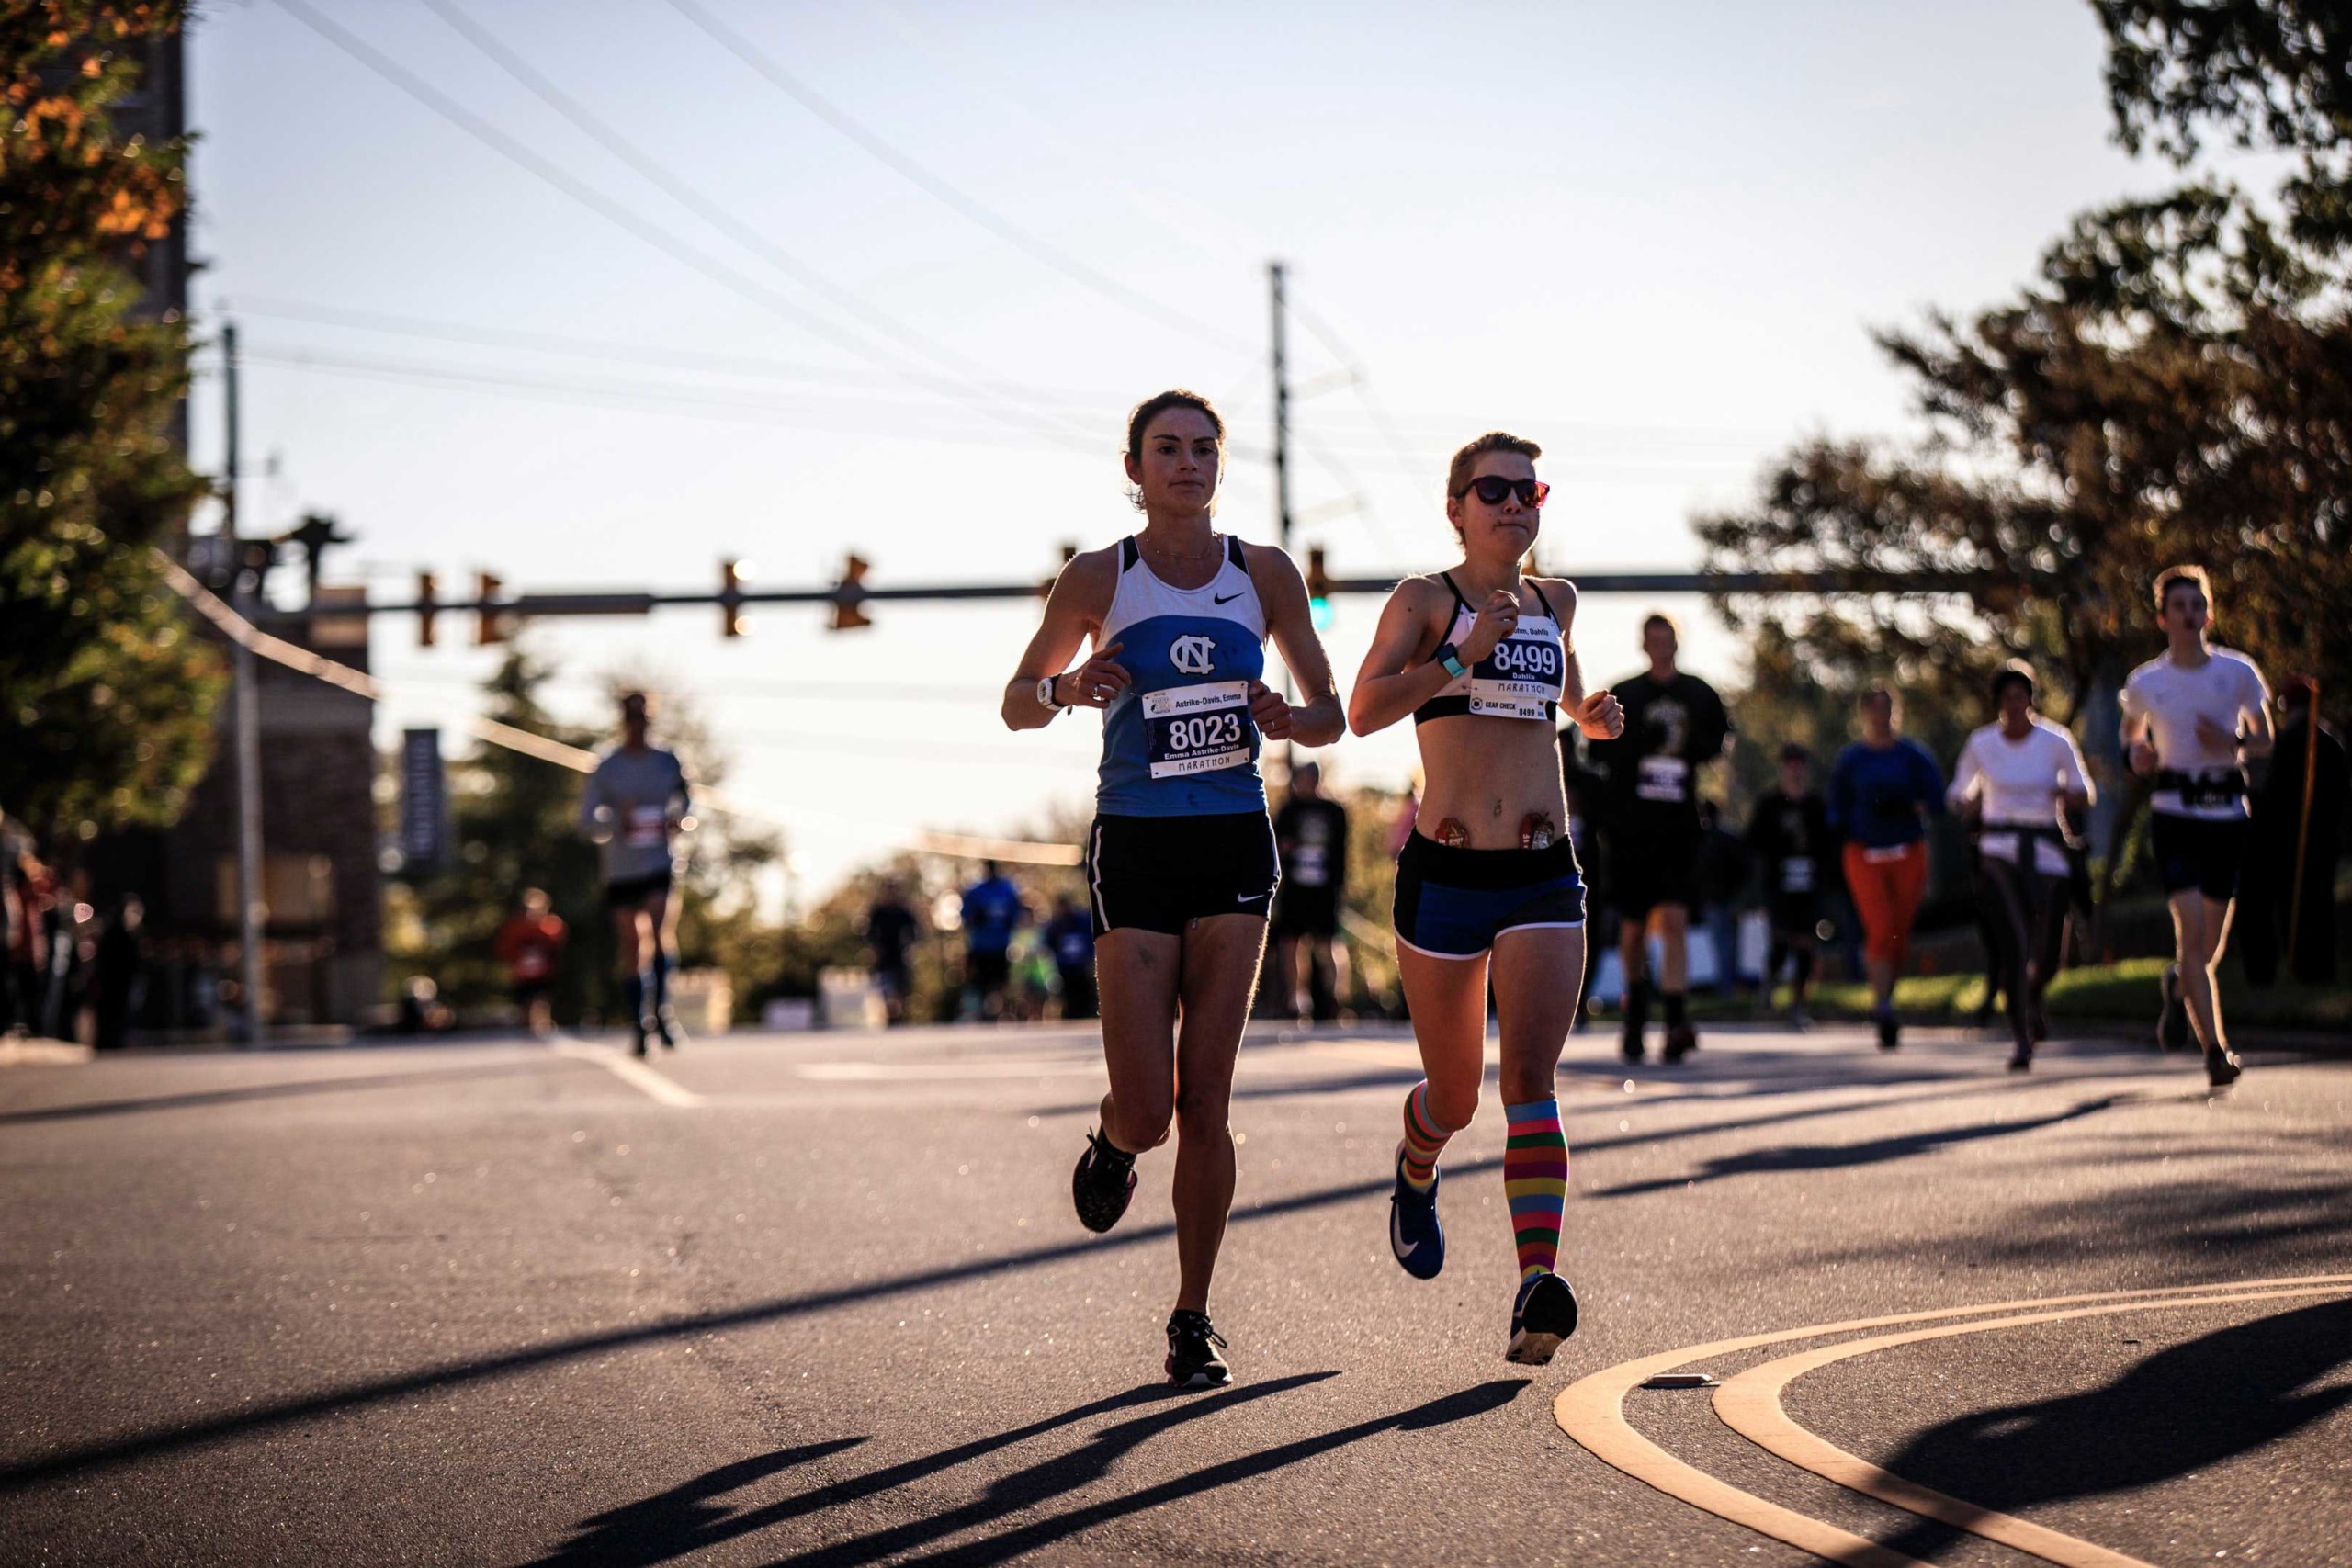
(1524, 677)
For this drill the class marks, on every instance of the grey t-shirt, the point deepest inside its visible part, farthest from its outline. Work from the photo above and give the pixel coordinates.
(627, 808)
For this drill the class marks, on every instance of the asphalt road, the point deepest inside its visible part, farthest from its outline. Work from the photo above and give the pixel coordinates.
(821, 1299)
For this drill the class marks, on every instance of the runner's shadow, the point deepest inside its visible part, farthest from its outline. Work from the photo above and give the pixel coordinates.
(688, 1518)
(2176, 1412)
(1040, 1483)
(1837, 1156)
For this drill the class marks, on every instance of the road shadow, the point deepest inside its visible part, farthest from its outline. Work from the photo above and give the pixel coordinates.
(2176, 1412)
(689, 1517)
(269, 1091)
(1789, 1159)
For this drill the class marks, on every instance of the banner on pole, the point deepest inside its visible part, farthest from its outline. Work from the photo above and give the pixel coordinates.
(424, 801)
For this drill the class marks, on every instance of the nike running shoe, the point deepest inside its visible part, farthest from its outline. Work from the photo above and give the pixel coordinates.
(1102, 1183)
(1414, 1235)
(1681, 1041)
(2222, 1067)
(2172, 1013)
(1890, 1030)
(1192, 1347)
(1544, 1315)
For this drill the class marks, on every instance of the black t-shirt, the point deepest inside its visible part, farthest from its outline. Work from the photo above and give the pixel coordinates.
(1791, 842)
(1313, 837)
(891, 930)
(1672, 728)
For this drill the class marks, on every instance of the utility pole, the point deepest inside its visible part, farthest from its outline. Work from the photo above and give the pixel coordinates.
(246, 593)
(1282, 447)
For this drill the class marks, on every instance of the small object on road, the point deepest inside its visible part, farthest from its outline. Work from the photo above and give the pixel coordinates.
(1679, 1380)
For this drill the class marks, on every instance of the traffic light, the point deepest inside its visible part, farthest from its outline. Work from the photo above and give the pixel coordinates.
(488, 628)
(425, 588)
(730, 598)
(1318, 590)
(848, 594)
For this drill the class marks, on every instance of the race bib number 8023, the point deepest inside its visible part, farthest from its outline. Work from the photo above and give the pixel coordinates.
(1199, 729)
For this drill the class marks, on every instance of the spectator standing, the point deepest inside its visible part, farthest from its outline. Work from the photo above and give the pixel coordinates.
(1790, 836)
(1070, 937)
(531, 945)
(120, 975)
(1311, 837)
(992, 912)
(891, 932)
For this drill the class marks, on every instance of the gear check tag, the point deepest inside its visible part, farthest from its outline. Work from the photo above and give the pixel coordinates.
(1199, 728)
(1517, 679)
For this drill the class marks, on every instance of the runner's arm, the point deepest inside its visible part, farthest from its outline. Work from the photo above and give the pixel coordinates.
(1290, 618)
(596, 809)
(2260, 738)
(1398, 675)
(1074, 610)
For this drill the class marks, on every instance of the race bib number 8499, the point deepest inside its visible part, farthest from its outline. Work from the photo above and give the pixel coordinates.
(1198, 729)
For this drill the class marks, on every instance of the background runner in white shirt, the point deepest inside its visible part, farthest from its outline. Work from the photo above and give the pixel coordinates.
(2190, 718)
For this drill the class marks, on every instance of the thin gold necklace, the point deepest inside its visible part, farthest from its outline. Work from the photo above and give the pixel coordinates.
(1214, 551)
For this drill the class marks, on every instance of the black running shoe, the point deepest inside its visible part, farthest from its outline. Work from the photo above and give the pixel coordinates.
(1890, 1030)
(1414, 1234)
(1629, 1044)
(1681, 1041)
(1102, 1183)
(2023, 1061)
(665, 1027)
(636, 1042)
(1192, 1347)
(1544, 1315)
(2222, 1067)
(2172, 1013)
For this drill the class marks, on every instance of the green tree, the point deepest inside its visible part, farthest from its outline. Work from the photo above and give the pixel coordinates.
(105, 696)
(2266, 74)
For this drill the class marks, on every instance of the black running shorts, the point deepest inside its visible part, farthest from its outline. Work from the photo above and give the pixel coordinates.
(1161, 874)
(2194, 852)
(631, 892)
(1646, 870)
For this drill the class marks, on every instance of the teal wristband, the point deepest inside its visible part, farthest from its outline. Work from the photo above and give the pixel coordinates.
(1451, 657)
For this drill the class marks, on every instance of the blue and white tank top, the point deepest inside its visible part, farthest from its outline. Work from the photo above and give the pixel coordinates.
(1180, 741)
(1522, 678)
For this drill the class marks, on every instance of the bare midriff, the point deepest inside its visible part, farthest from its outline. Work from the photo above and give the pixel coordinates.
(1491, 775)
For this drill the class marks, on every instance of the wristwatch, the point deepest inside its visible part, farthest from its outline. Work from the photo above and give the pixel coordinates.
(1046, 698)
(1451, 657)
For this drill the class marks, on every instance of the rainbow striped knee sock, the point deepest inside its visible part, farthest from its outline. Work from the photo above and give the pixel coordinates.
(1424, 1139)
(1535, 1182)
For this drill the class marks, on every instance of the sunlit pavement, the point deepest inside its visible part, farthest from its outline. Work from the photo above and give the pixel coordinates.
(821, 1298)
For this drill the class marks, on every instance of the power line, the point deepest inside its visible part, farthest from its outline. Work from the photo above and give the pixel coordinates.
(597, 201)
(946, 192)
(680, 191)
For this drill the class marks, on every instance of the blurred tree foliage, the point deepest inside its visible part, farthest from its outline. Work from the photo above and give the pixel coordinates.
(105, 697)
(2175, 384)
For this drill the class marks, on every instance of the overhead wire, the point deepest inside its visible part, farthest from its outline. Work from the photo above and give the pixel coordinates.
(616, 212)
(945, 191)
(681, 191)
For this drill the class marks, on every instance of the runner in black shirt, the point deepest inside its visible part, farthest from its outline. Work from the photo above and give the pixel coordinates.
(1675, 723)
(1790, 836)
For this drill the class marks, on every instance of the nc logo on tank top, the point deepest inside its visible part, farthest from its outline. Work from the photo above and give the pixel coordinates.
(1191, 655)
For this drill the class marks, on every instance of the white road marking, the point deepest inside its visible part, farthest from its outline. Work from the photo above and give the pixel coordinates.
(630, 1071)
(922, 1072)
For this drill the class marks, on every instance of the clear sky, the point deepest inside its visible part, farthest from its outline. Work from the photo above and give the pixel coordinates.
(1653, 238)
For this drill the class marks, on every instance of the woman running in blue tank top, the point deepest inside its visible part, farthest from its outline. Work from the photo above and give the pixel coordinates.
(1488, 886)
(1179, 861)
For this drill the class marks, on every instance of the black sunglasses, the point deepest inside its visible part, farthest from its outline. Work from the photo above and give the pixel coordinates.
(1492, 488)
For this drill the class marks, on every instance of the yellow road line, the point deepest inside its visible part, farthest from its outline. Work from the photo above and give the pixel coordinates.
(1750, 1405)
(1592, 1411)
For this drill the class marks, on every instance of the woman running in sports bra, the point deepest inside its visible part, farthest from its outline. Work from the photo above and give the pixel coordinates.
(1481, 658)
(1179, 861)
(2019, 777)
